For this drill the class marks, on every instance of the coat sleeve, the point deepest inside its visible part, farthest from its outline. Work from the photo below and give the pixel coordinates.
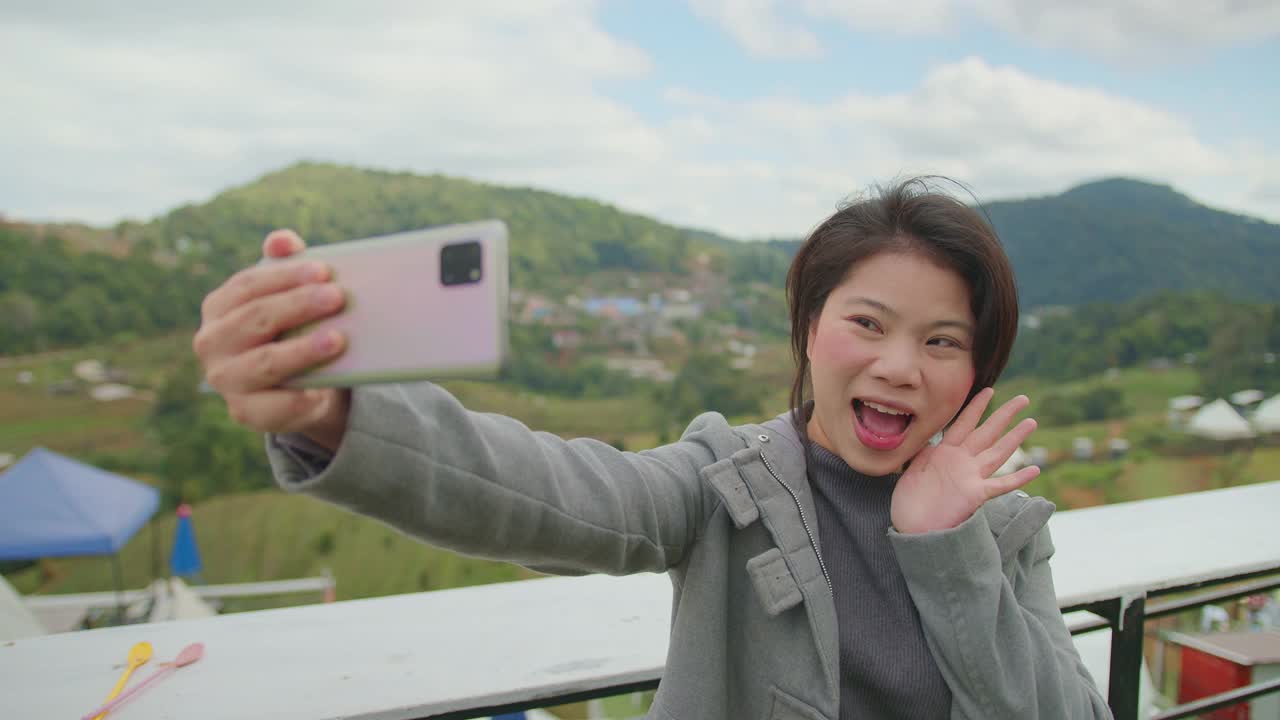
(485, 485)
(1002, 645)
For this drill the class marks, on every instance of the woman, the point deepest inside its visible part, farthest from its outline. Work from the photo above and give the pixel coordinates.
(829, 563)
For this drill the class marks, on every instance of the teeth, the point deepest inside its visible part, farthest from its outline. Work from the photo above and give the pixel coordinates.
(883, 409)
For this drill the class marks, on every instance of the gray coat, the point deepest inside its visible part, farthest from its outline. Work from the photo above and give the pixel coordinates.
(728, 513)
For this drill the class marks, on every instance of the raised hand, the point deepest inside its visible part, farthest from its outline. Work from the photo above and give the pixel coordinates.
(945, 484)
(243, 360)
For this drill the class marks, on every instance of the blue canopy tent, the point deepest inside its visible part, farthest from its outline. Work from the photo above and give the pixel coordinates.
(53, 506)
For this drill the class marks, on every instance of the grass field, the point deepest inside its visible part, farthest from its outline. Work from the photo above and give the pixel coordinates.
(271, 535)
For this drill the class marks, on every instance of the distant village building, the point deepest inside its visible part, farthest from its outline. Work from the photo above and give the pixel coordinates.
(26, 377)
(1082, 448)
(1181, 408)
(90, 371)
(681, 311)
(1245, 398)
(566, 339)
(1018, 460)
(111, 391)
(535, 309)
(6, 459)
(1039, 456)
(1119, 447)
(641, 368)
(614, 308)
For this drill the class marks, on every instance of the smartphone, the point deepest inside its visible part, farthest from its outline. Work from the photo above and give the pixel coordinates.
(420, 305)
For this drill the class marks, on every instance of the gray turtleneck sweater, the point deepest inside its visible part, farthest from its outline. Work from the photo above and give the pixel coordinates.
(886, 669)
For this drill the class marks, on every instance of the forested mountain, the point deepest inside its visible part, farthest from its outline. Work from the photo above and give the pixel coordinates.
(554, 238)
(55, 294)
(1107, 241)
(1116, 240)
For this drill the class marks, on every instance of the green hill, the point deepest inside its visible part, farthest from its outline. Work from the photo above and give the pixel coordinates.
(1118, 239)
(65, 285)
(553, 237)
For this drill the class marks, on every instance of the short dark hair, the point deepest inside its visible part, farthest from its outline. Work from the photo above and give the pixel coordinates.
(909, 216)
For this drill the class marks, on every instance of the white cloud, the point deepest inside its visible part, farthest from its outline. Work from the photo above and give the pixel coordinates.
(1000, 130)
(758, 26)
(900, 17)
(129, 115)
(201, 101)
(1117, 30)
(1129, 29)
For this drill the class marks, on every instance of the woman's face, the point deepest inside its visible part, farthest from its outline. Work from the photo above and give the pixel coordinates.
(891, 357)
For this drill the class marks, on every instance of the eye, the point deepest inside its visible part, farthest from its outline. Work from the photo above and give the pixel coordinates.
(866, 322)
(945, 342)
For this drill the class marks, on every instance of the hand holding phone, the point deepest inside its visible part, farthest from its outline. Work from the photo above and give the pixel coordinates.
(423, 304)
(243, 358)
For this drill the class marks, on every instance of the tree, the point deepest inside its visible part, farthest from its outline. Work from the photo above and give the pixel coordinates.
(707, 382)
(202, 452)
(19, 322)
(1236, 359)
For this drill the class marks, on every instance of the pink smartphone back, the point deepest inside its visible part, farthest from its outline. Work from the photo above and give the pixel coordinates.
(402, 322)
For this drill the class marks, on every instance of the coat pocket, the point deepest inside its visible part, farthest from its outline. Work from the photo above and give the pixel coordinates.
(787, 707)
(775, 585)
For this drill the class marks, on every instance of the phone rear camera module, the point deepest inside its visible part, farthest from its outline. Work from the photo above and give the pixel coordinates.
(460, 264)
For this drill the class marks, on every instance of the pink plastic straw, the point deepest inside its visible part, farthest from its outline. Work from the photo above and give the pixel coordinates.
(189, 654)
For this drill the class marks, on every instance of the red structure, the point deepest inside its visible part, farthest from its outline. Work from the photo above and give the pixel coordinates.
(1217, 662)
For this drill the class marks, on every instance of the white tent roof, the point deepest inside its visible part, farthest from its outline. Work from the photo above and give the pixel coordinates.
(1246, 397)
(1185, 402)
(1267, 417)
(16, 620)
(1219, 421)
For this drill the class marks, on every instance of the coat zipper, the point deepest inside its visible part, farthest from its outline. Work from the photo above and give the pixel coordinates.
(803, 521)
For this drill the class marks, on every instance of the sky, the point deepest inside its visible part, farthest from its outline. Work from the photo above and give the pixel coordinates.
(753, 118)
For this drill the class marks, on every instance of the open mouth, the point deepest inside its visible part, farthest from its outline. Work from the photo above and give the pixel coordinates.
(880, 426)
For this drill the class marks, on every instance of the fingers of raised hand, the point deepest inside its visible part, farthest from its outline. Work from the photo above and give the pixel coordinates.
(1008, 483)
(264, 319)
(993, 457)
(257, 282)
(270, 364)
(990, 431)
(968, 418)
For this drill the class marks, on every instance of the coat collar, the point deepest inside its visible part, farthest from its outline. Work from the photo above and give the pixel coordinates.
(767, 482)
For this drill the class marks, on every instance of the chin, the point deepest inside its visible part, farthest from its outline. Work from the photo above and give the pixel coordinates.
(875, 464)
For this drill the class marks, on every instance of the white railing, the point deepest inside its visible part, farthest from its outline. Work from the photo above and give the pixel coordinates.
(465, 652)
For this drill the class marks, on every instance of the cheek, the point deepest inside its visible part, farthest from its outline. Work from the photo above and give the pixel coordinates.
(956, 389)
(836, 356)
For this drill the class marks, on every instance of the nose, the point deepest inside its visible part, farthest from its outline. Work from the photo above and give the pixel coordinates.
(898, 364)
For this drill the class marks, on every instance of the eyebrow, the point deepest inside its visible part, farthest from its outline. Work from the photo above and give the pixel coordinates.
(957, 324)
